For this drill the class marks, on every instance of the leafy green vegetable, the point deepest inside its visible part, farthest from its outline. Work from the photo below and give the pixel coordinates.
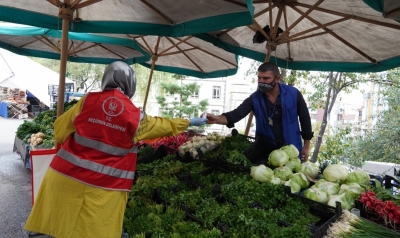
(278, 158)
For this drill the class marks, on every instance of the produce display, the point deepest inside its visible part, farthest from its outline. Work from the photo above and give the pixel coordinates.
(218, 193)
(350, 225)
(39, 132)
(208, 188)
(385, 212)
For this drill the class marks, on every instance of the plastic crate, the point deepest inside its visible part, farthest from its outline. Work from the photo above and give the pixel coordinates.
(235, 132)
(224, 166)
(327, 214)
(374, 217)
(391, 183)
(157, 154)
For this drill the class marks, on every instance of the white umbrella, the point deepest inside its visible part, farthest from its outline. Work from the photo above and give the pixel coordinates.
(156, 17)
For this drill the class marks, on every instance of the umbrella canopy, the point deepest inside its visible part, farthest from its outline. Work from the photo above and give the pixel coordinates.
(323, 35)
(156, 17)
(388, 8)
(185, 55)
(86, 48)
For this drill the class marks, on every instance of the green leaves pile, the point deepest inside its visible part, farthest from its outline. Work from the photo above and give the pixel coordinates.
(176, 199)
(43, 122)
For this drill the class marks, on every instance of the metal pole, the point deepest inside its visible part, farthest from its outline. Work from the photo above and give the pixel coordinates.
(251, 115)
(149, 83)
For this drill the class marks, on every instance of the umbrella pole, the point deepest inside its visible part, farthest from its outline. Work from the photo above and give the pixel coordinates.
(65, 13)
(63, 67)
(153, 63)
(251, 115)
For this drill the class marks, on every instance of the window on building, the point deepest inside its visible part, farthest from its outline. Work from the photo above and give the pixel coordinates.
(360, 113)
(195, 95)
(216, 92)
(215, 112)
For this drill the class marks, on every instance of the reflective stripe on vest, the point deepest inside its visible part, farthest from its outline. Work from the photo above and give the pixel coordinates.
(109, 149)
(96, 167)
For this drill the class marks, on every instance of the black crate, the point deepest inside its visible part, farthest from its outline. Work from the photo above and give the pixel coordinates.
(374, 217)
(391, 183)
(157, 154)
(225, 166)
(326, 213)
(235, 132)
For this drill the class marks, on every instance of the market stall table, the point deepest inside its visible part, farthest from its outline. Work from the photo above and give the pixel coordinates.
(22, 149)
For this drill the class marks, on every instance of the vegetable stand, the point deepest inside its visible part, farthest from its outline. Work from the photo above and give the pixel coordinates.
(202, 197)
(22, 149)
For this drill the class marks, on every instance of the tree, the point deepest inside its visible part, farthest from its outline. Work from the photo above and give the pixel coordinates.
(86, 76)
(181, 106)
(382, 142)
(142, 77)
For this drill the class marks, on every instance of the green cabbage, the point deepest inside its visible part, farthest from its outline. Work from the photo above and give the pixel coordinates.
(261, 173)
(346, 201)
(300, 179)
(275, 180)
(294, 187)
(293, 163)
(278, 158)
(336, 173)
(308, 168)
(283, 173)
(353, 189)
(331, 188)
(316, 194)
(291, 151)
(359, 176)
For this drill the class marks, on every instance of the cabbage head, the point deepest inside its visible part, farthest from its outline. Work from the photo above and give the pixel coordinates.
(316, 194)
(336, 173)
(331, 188)
(346, 201)
(309, 168)
(293, 163)
(359, 176)
(261, 173)
(275, 180)
(291, 151)
(352, 189)
(294, 187)
(278, 158)
(300, 179)
(283, 173)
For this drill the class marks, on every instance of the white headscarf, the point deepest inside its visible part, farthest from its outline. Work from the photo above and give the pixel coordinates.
(119, 75)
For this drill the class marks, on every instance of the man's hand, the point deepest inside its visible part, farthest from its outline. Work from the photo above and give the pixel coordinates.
(198, 121)
(305, 152)
(213, 119)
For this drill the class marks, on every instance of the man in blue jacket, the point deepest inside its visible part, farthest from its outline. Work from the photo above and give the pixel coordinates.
(277, 108)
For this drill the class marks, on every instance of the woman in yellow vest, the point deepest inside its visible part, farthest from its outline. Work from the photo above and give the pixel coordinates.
(85, 190)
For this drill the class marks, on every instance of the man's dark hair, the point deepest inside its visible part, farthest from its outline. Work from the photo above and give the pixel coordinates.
(268, 66)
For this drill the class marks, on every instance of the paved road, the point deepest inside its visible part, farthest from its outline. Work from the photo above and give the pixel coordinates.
(15, 185)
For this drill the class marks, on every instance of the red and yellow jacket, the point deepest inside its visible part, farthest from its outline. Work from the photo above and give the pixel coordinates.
(102, 130)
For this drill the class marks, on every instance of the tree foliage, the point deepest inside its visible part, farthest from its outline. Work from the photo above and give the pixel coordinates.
(86, 76)
(181, 106)
(142, 78)
(382, 141)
